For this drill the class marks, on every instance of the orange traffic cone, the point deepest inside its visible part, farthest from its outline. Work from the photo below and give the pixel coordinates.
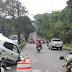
(27, 58)
(24, 66)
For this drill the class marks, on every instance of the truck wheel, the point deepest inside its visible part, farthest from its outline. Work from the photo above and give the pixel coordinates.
(61, 48)
(57, 48)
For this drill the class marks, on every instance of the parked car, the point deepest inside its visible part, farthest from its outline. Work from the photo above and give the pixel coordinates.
(14, 38)
(9, 50)
(55, 43)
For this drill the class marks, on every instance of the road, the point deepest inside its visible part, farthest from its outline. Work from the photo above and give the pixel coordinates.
(46, 61)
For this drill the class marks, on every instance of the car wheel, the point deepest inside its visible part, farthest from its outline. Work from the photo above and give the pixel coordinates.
(4, 65)
(49, 47)
(61, 48)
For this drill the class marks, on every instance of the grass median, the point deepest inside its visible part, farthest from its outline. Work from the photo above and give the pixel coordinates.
(21, 44)
(67, 45)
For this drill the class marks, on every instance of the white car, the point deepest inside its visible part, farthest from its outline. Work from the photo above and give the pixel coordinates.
(14, 38)
(55, 43)
(9, 50)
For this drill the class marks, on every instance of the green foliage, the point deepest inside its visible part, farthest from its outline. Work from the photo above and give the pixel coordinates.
(67, 45)
(24, 26)
(69, 3)
(21, 44)
(57, 24)
(18, 23)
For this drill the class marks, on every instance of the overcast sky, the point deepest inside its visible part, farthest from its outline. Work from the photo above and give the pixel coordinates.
(41, 6)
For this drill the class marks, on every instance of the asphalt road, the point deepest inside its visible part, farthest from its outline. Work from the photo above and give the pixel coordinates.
(46, 61)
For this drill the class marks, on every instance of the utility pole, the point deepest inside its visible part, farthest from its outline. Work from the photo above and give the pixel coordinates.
(52, 19)
(53, 24)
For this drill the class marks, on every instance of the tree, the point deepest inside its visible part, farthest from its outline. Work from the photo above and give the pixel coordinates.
(19, 22)
(69, 3)
(24, 26)
(12, 8)
(59, 20)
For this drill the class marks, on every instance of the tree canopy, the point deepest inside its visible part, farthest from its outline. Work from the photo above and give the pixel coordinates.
(14, 19)
(56, 24)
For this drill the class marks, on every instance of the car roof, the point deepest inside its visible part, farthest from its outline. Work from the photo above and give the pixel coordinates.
(55, 39)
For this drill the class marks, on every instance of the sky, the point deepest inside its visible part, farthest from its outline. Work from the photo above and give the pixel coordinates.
(43, 6)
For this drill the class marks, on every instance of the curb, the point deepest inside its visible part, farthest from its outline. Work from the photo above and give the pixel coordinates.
(22, 46)
(67, 48)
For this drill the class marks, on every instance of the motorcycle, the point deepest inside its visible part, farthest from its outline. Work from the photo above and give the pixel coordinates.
(69, 68)
(39, 48)
(68, 63)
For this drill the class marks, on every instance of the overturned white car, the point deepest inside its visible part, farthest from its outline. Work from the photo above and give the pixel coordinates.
(9, 50)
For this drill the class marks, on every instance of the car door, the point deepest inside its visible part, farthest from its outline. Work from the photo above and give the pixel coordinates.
(11, 51)
(15, 52)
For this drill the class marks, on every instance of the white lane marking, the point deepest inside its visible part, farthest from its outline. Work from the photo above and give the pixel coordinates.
(59, 71)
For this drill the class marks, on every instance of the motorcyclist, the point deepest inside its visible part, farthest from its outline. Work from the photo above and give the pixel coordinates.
(39, 44)
(47, 42)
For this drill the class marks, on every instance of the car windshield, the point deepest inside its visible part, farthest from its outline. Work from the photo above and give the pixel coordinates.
(56, 40)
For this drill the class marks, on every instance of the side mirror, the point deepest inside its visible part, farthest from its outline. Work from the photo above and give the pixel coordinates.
(62, 58)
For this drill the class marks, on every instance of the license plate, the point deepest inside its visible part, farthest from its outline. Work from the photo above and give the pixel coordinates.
(38, 48)
(57, 45)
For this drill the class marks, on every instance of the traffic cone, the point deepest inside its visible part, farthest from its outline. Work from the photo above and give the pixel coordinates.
(24, 60)
(24, 66)
(27, 58)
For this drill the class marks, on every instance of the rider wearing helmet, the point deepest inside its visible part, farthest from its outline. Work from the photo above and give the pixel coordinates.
(38, 44)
